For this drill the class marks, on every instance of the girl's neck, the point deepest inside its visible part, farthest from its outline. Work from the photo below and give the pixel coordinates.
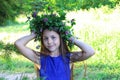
(55, 54)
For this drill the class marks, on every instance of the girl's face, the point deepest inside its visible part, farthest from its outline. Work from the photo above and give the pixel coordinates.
(51, 41)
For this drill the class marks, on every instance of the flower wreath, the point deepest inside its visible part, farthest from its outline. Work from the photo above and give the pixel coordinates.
(52, 20)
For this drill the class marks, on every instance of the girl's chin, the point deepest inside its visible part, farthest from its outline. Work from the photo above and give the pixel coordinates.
(51, 50)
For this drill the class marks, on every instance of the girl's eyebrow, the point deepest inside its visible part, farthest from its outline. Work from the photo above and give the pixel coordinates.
(47, 36)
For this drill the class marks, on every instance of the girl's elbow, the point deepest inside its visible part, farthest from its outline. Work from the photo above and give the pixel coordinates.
(92, 52)
(17, 43)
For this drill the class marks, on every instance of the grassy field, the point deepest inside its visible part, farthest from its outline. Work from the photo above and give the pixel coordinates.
(97, 27)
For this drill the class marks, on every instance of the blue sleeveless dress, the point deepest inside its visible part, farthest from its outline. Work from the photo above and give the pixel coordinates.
(55, 68)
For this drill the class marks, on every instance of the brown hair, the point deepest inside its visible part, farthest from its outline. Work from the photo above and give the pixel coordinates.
(63, 45)
(63, 49)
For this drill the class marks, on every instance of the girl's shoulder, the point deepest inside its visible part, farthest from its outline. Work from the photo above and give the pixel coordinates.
(68, 54)
(40, 54)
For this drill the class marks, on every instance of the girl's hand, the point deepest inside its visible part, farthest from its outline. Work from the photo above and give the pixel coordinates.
(72, 39)
(33, 33)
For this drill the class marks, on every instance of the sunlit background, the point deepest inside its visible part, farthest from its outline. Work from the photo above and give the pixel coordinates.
(99, 27)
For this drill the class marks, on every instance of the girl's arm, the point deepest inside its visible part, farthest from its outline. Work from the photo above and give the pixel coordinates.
(87, 51)
(27, 52)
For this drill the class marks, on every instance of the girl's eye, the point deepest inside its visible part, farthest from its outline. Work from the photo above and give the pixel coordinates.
(45, 38)
(53, 37)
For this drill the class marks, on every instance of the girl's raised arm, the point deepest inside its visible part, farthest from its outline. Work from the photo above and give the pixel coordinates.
(87, 50)
(27, 52)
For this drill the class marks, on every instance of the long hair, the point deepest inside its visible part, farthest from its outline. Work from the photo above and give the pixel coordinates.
(63, 45)
(63, 50)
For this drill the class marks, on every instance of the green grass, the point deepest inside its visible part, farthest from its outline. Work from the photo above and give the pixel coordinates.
(14, 28)
(97, 27)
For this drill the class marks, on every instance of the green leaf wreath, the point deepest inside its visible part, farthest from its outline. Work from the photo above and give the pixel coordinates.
(50, 19)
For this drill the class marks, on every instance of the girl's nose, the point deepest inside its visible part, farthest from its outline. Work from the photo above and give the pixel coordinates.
(49, 40)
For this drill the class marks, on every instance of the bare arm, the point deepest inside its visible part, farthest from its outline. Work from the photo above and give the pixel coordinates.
(87, 51)
(27, 52)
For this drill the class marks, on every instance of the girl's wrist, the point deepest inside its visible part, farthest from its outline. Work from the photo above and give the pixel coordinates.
(73, 39)
(33, 35)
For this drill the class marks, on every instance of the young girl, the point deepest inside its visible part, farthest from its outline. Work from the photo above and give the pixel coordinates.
(54, 58)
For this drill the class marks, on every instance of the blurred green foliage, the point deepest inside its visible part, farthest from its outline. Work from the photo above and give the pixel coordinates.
(97, 27)
(8, 48)
(12, 8)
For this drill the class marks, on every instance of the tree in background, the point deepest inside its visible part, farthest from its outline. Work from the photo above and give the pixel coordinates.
(7, 10)
(12, 8)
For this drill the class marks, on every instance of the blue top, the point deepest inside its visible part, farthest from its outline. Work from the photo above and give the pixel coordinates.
(55, 68)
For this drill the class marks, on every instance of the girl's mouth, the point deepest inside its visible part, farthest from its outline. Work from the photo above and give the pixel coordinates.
(50, 46)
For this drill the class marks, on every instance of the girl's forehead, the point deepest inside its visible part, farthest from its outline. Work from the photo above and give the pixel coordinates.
(49, 33)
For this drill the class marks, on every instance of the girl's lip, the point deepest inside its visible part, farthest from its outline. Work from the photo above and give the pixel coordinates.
(50, 46)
